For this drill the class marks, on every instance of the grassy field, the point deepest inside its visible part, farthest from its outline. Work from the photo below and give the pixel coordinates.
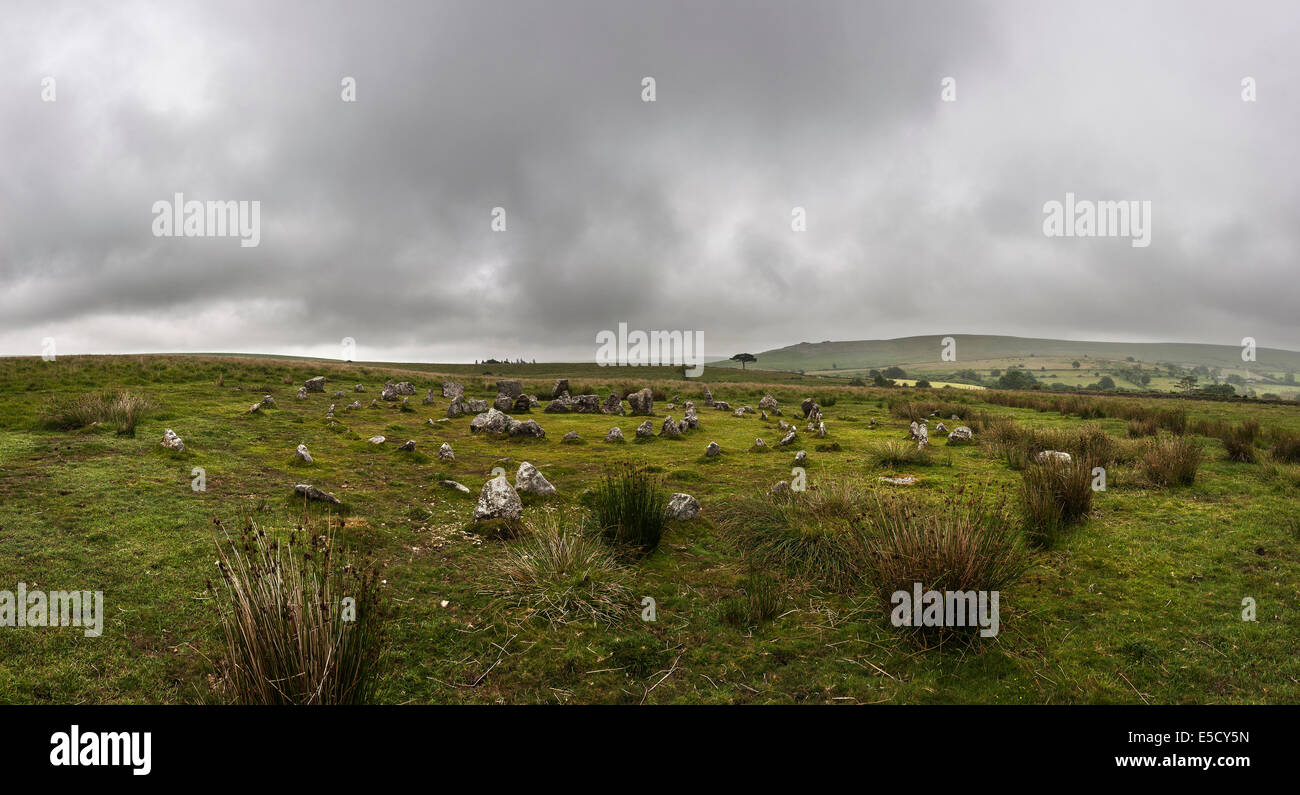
(1141, 602)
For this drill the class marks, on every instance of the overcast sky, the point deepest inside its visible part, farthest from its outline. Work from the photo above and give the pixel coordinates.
(923, 216)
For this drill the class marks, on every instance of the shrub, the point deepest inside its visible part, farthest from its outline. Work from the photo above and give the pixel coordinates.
(1239, 442)
(1173, 420)
(629, 508)
(1172, 461)
(1054, 495)
(1286, 447)
(1142, 426)
(958, 545)
(561, 576)
(289, 639)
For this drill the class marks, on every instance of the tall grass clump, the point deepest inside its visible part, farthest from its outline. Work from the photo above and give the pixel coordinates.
(894, 454)
(629, 509)
(1054, 495)
(1142, 426)
(122, 409)
(808, 535)
(561, 576)
(1172, 461)
(1285, 447)
(291, 638)
(960, 544)
(759, 602)
(1239, 442)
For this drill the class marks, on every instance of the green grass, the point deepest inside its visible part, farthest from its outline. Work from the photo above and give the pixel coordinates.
(1142, 603)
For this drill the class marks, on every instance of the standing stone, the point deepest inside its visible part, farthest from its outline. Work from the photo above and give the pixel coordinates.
(526, 428)
(360, 388)
(713, 450)
(561, 405)
(571, 436)
(522, 403)
(615, 435)
(303, 455)
(801, 458)
(561, 388)
(498, 500)
(959, 435)
(767, 403)
(453, 390)
(612, 404)
(389, 392)
(492, 421)
(708, 396)
(316, 384)
(669, 428)
(503, 402)
(408, 446)
(456, 408)
(312, 493)
(445, 452)
(428, 399)
(302, 393)
(788, 438)
(807, 406)
(512, 388)
(645, 430)
(530, 480)
(642, 401)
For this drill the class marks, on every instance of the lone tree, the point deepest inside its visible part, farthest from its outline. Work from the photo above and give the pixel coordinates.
(744, 357)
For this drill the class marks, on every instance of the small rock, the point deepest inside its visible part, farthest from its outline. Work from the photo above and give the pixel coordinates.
(172, 442)
(312, 493)
(530, 480)
(712, 450)
(1052, 455)
(451, 484)
(614, 435)
(682, 507)
(408, 446)
(905, 480)
(801, 458)
(642, 401)
(377, 440)
(571, 436)
(780, 488)
(645, 430)
(303, 455)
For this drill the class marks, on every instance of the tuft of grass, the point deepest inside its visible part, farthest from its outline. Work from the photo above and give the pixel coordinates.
(961, 544)
(291, 638)
(1054, 495)
(809, 535)
(122, 409)
(894, 454)
(629, 508)
(561, 576)
(1239, 442)
(1172, 461)
(1286, 447)
(1142, 426)
(759, 602)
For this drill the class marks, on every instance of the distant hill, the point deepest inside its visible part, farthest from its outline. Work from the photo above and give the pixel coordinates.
(1048, 359)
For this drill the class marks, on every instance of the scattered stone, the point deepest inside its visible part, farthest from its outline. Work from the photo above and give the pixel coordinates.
(712, 450)
(905, 480)
(498, 500)
(268, 402)
(503, 403)
(788, 438)
(807, 406)
(740, 412)
(303, 455)
(530, 480)
(669, 428)
(682, 507)
(491, 421)
(767, 402)
(759, 444)
(526, 428)
(404, 387)
(561, 388)
(571, 436)
(456, 407)
(615, 435)
(561, 405)
(360, 388)
(312, 493)
(302, 393)
(476, 406)
(356, 404)
(172, 442)
(801, 458)
(642, 401)
(389, 392)
(1052, 455)
(821, 430)
(612, 404)
(762, 415)
(445, 453)
(376, 440)
(451, 484)
(339, 395)
(645, 430)
(408, 446)
(316, 384)
(940, 428)
(959, 434)
(522, 403)
(722, 405)
(781, 487)
(587, 404)
(428, 400)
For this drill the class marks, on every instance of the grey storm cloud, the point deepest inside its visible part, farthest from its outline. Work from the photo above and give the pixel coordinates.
(923, 216)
